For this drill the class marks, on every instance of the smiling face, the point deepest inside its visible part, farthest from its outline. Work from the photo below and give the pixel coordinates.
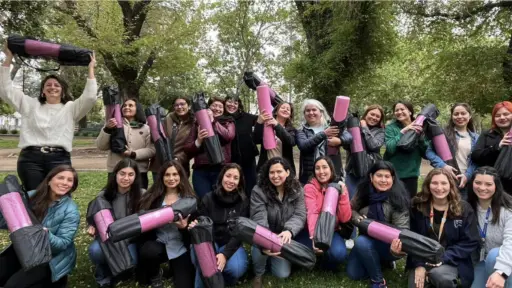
(460, 117)
(125, 178)
(62, 183)
(439, 187)
(313, 115)
(231, 106)
(217, 108)
(402, 113)
(277, 174)
(373, 117)
(503, 118)
(322, 171)
(284, 111)
(171, 178)
(382, 180)
(230, 180)
(484, 186)
(129, 109)
(52, 91)
(181, 107)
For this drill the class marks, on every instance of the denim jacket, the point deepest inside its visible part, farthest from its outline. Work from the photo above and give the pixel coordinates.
(437, 162)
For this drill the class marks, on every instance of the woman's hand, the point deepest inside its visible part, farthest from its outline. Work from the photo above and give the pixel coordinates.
(127, 152)
(419, 276)
(450, 170)
(221, 261)
(506, 141)
(360, 218)
(416, 127)
(396, 248)
(8, 56)
(210, 114)
(267, 252)
(182, 223)
(316, 250)
(91, 231)
(271, 122)
(263, 117)
(192, 224)
(462, 180)
(332, 131)
(286, 237)
(112, 123)
(201, 134)
(495, 281)
(92, 64)
(333, 141)
(362, 123)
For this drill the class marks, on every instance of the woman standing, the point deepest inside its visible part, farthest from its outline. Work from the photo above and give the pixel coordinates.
(462, 137)
(46, 134)
(406, 163)
(277, 203)
(281, 120)
(138, 140)
(59, 215)
(490, 143)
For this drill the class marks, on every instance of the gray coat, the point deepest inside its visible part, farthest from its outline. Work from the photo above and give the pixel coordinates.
(290, 214)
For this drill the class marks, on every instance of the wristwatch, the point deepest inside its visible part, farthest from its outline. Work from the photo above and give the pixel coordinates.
(502, 274)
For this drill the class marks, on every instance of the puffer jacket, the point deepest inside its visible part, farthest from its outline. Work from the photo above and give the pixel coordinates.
(62, 220)
(276, 215)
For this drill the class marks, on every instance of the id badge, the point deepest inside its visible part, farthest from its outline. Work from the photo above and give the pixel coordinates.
(482, 250)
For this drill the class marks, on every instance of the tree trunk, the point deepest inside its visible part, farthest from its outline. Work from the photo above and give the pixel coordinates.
(507, 69)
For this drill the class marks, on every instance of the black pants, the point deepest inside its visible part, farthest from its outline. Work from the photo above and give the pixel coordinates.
(153, 253)
(143, 179)
(33, 166)
(12, 276)
(411, 185)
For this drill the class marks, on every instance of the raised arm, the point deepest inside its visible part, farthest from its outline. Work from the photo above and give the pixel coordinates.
(86, 101)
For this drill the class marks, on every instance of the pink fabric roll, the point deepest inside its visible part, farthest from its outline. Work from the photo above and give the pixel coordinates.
(383, 232)
(264, 103)
(330, 201)
(38, 48)
(357, 142)
(153, 127)
(442, 148)
(156, 219)
(206, 258)
(341, 108)
(114, 111)
(103, 219)
(266, 239)
(14, 211)
(419, 120)
(204, 121)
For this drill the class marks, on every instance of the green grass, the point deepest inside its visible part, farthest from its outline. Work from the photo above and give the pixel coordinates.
(12, 142)
(83, 276)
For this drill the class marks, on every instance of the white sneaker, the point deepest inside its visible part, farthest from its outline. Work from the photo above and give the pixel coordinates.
(349, 243)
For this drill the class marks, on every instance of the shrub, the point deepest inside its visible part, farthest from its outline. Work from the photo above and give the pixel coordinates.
(3, 131)
(14, 131)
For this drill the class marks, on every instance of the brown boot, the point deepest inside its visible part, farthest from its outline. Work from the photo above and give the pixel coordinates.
(257, 282)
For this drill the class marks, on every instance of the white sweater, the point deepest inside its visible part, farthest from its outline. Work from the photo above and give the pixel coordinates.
(46, 124)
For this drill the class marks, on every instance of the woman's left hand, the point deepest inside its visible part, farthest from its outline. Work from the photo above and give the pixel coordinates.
(462, 180)
(182, 223)
(127, 152)
(92, 64)
(286, 237)
(396, 247)
(221, 261)
(495, 281)
(271, 122)
(334, 141)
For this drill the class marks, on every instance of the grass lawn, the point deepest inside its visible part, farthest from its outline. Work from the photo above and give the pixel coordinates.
(83, 276)
(12, 142)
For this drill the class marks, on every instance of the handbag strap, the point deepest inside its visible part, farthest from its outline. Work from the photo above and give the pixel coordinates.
(36, 68)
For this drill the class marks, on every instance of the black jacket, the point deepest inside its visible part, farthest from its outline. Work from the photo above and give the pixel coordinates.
(486, 150)
(243, 148)
(287, 137)
(220, 207)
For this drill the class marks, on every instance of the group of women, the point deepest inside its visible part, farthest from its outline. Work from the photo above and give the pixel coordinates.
(476, 234)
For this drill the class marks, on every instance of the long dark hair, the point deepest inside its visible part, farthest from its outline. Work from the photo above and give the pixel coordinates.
(65, 93)
(240, 189)
(450, 128)
(407, 105)
(331, 166)
(135, 190)
(140, 116)
(423, 200)
(499, 199)
(237, 99)
(43, 197)
(156, 193)
(397, 196)
(291, 185)
(289, 121)
(381, 110)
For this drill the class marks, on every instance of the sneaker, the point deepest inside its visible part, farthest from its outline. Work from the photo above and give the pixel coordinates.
(379, 284)
(257, 282)
(349, 243)
(156, 282)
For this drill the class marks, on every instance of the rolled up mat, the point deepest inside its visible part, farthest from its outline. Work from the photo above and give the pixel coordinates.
(63, 54)
(202, 242)
(326, 223)
(14, 211)
(253, 81)
(103, 219)
(409, 140)
(338, 117)
(502, 164)
(248, 231)
(413, 244)
(440, 143)
(160, 141)
(211, 143)
(357, 149)
(269, 136)
(112, 103)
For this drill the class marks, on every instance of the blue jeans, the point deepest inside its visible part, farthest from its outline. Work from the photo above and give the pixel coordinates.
(203, 180)
(485, 268)
(352, 182)
(102, 274)
(279, 267)
(235, 268)
(333, 257)
(366, 257)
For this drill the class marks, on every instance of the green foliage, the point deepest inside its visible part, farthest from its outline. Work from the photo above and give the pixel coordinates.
(3, 131)
(14, 131)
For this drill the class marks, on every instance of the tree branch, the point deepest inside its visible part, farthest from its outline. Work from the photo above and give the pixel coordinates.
(145, 68)
(133, 18)
(72, 11)
(463, 14)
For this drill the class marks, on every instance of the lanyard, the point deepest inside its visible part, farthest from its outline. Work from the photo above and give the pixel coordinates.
(443, 220)
(483, 232)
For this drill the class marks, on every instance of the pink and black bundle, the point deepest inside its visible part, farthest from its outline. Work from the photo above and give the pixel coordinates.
(253, 81)
(436, 134)
(100, 215)
(326, 223)
(212, 142)
(269, 136)
(63, 54)
(248, 231)
(112, 103)
(338, 118)
(30, 241)
(160, 141)
(502, 164)
(202, 242)
(409, 140)
(357, 147)
(136, 224)
(413, 244)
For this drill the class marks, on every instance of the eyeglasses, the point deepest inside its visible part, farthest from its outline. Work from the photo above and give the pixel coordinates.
(178, 105)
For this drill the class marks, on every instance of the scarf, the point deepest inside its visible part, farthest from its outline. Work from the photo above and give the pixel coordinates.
(375, 209)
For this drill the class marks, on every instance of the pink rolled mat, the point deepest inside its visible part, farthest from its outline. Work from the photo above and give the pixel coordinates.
(341, 108)
(383, 232)
(330, 201)
(204, 122)
(114, 111)
(266, 239)
(269, 137)
(14, 211)
(206, 258)
(357, 142)
(419, 120)
(153, 127)
(37, 48)
(103, 219)
(156, 219)
(442, 148)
